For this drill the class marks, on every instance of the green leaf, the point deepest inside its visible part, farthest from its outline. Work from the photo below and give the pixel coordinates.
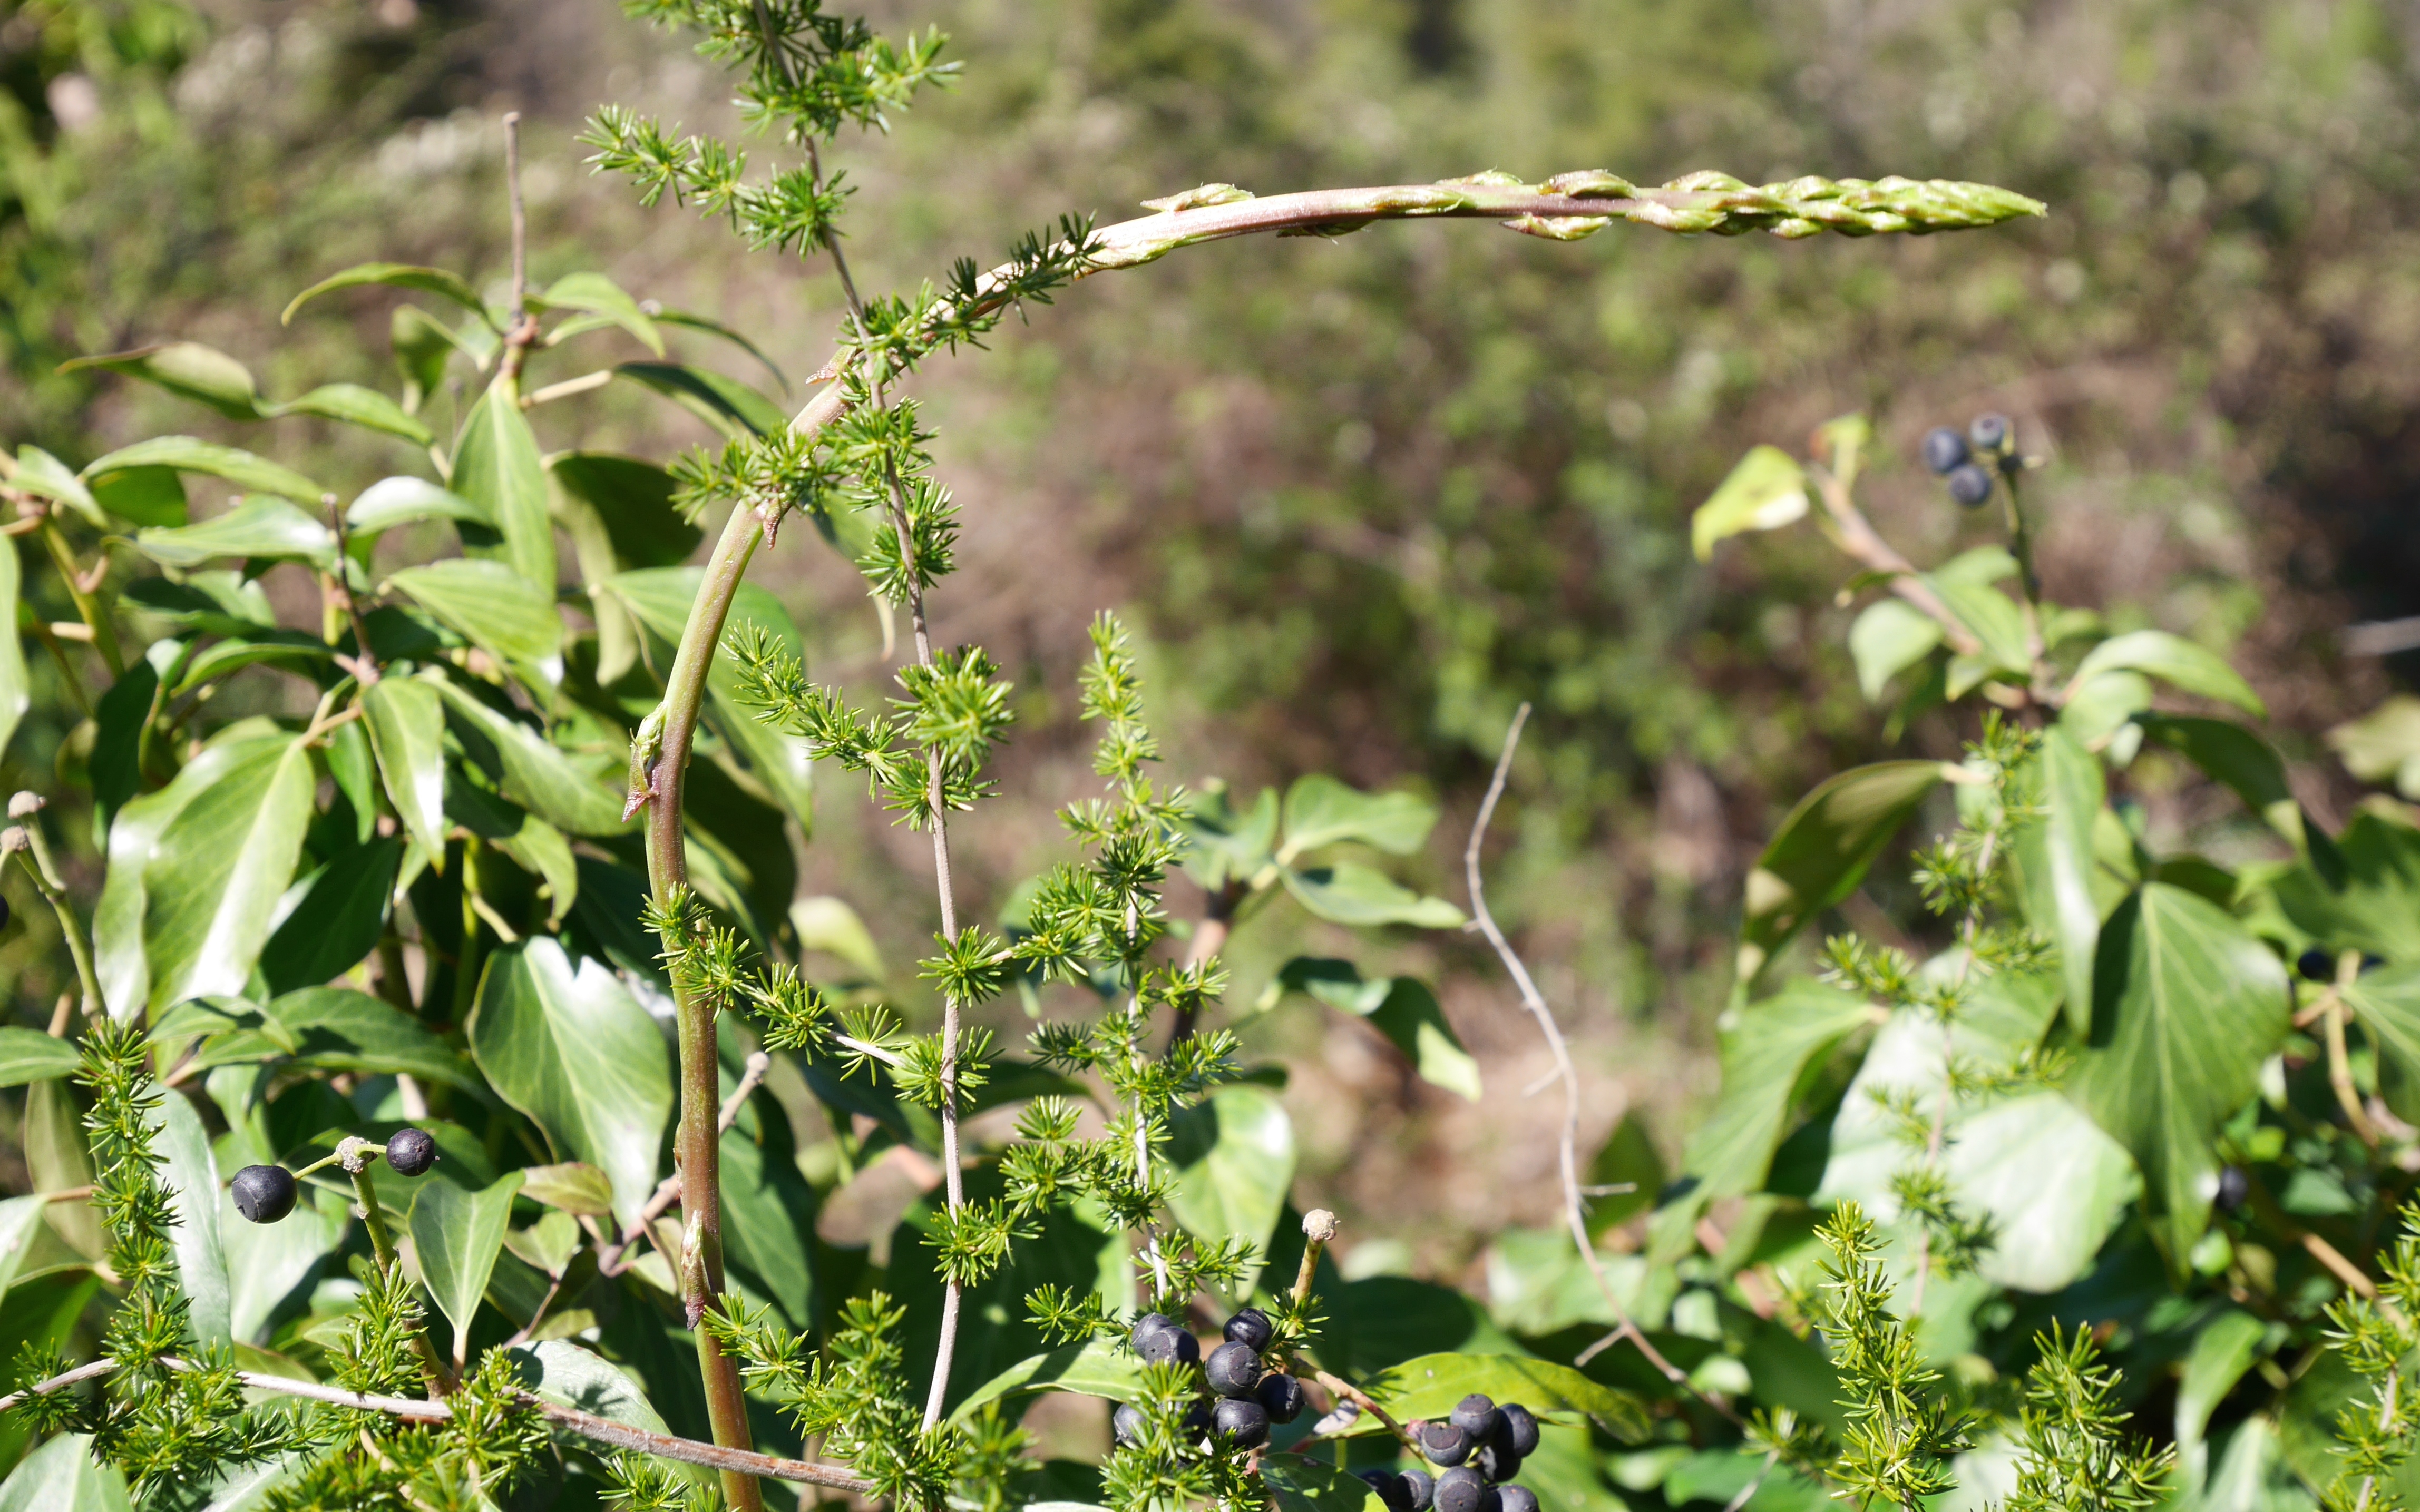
(185, 454)
(1308, 1486)
(2383, 746)
(728, 405)
(213, 878)
(435, 281)
(21, 1223)
(1891, 636)
(1991, 615)
(1401, 1008)
(768, 1216)
(456, 1236)
(423, 346)
(336, 1029)
(570, 1048)
(2246, 763)
(1319, 811)
(2174, 660)
(1229, 847)
(186, 368)
(1766, 1049)
(496, 467)
(191, 1175)
(1821, 851)
(1347, 893)
(267, 1263)
(2372, 904)
(532, 843)
(493, 607)
(407, 724)
(716, 328)
(31, 1056)
(215, 603)
(400, 500)
(2187, 1005)
(356, 406)
(574, 1186)
(142, 495)
(595, 294)
(1431, 1384)
(1629, 1158)
(40, 472)
(2055, 864)
(831, 925)
(2387, 1002)
(16, 692)
(633, 500)
(338, 922)
(532, 772)
(296, 651)
(1099, 1367)
(2094, 712)
(570, 1376)
(2222, 1351)
(1235, 1157)
(66, 1475)
(259, 527)
(1765, 493)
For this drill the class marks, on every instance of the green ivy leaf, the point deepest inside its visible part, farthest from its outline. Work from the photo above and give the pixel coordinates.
(716, 328)
(493, 607)
(1097, 1367)
(2174, 660)
(1765, 1048)
(570, 1376)
(2383, 746)
(423, 346)
(595, 294)
(2246, 763)
(1401, 1008)
(2387, 1002)
(191, 1175)
(1821, 851)
(435, 281)
(31, 1056)
(337, 1028)
(532, 772)
(633, 500)
(1990, 615)
(337, 923)
(1308, 1486)
(40, 472)
(187, 369)
(1431, 1384)
(142, 495)
(21, 1223)
(184, 454)
(65, 1474)
(213, 878)
(1319, 811)
(1347, 893)
(1227, 846)
(2187, 1005)
(496, 467)
(1234, 1158)
(266, 1263)
(407, 725)
(298, 651)
(728, 405)
(2055, 864)
(570, 1048)
(2222, 1351)
(532, 843)
(356, 406)
(456, 1236)
(270, 529)
(574, 1186)
(2371, 904)
(1765, 493)
(1891, 636)
(401, 500)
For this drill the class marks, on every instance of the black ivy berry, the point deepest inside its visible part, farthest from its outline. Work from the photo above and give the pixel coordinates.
(1389, 1490)
(2315, 966)
(1990, 433)
(1518, 1499)
(1460, 1491)
(1970, 485)
(410, 1152)
(1497, 1463)
(1519, 1429)
(264, 1193)
(1280, 1396)
(2234, 1185)
(1160, 1341)
(1445, 1443)
(1126, 1423)
(1476, 1416)
(1944, 449)
(1197, 1422)
(1419, 1490)
(1252, 1329)
(1241, 1423)
(1232, 1370)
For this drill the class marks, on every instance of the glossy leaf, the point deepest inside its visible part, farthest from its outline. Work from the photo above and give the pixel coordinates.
(213, 878)
(2370, 899)
(1431, 1384)
(31, 1056)
(534, 773)
(2174, 660)
(2222, 1351)
(142, 495)
(831, 925)
(2383, 746)
(187, 455)
(1821, 851)
(356, 406)
(1628, 1158)
(435, 281)
(457, 1235)
(2241, 761)
(1766, 1048)
(728, 405)
(2387, 1002)
(570, 1376)
(16, 692)
(633, 500)
(2096, 711)
(259, 527)
(1992, 616)
(401, 500)
(532, 843)
(1403, 1008)
(574, 1186)
(570, 1048)
(1765, 493)
(65, 1474)
(2187, 1005)
(423, 346)
(21, 1223)
(191, 1176)
(1100, 1368)
(1347, 893)
(496, 467)
(215, 603)
(267, 1263)
(1234, 1158)
(336, 1029)
(296, 651)
(337, 923)
(493, 607)
(187, 369)
(1310, 1485)
(407, 724)
(1319, 811)
(40, 472)
(1228, 846)
(595, 294)
(716, 328)
(1888, 638)
(2055, 864)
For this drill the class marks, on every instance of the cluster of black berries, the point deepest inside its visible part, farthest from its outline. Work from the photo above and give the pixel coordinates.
(1478, 1449)
(1967, 461)
(265, 1194)
(1247, 1400)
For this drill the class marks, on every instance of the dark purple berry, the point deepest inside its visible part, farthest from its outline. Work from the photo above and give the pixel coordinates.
(1944, 449)
(1252, 1329)
(1518, 1498)
(1243, 1424)
(1197, 1422)
(1491, 1500)
(1149, 1323)
(1126, 1423)
(1990, 433)
(2315, 966)
(1475, 1414)
(2234, 1185)
(1970, 485)
(1495, 1463)
(1280, 1396)
(1445, 1443)
(264, 1193)
(410, 1152)
(1160, 1341)
(1233, 1370)
(1459, 1491)
(1519, 1432)
(1388, 1488)
(1420, 1489)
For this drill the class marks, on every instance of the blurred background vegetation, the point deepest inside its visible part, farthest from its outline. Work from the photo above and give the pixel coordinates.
(1362, 496)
